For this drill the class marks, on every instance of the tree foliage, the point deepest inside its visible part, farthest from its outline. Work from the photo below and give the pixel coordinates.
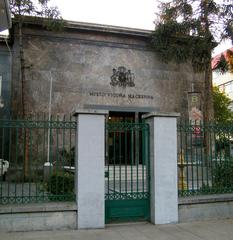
(222, 113)
(188, 30)
(222, 65)
(225, 63)
(34, 8)
(37, 8)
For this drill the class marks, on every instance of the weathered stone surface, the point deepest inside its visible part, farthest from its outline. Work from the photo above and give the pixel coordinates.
(81, 62)
(5, 76)
(43, 216)
(205, 211)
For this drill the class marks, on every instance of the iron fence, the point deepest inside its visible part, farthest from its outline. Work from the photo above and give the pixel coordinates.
(126, 166)
(205, 158)
(37, 160)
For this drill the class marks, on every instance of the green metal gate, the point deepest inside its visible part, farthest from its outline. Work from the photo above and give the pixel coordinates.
(127, 196)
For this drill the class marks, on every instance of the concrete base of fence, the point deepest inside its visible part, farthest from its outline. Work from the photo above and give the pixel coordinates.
(206, 208)
(42, 216)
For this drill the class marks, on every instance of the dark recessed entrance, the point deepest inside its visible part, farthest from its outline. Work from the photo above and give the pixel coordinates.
(133, 117)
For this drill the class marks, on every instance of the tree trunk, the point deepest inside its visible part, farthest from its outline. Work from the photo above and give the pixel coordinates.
(22, 68)
(22, 80)
(208, 113)
(208, 95)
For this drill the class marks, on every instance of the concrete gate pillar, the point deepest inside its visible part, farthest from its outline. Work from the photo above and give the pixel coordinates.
(90, 154)
(163, 167)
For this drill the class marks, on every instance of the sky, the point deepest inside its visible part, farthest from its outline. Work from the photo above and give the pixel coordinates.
(126, 13)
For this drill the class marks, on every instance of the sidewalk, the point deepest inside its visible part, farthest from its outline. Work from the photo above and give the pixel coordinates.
(208, 230)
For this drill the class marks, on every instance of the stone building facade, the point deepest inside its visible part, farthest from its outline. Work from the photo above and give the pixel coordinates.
(5, 77)
(97, 67)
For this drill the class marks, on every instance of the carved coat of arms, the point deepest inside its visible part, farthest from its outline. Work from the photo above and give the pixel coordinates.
(122, 77)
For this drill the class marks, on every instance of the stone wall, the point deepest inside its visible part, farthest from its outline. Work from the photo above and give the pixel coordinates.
(5, 76)
(34, 217)
(206, 207)
(80, 62)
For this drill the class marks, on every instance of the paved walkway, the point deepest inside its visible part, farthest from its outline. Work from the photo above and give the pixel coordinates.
(208, 230)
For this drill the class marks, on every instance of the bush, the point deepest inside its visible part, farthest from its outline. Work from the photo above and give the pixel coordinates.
(222, 146)
(61, 183)
(223, 175)
(68, 156)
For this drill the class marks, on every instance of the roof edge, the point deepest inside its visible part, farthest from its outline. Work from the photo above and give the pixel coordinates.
(94, 27)
(108, 28)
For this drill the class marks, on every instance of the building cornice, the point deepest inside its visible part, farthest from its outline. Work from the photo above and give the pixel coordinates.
(90, 27)
(108, 29)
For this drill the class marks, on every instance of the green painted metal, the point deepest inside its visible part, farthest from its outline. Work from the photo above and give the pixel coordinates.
(127, 210)
(40, 154)
(127, 195)
(205, 158)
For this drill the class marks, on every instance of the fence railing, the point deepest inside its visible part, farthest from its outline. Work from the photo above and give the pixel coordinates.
(36, 160)
(127, 161)
(205, 158)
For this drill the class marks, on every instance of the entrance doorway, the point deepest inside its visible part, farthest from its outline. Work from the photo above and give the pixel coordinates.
(121, 117)
(126, 168)
(133, 117)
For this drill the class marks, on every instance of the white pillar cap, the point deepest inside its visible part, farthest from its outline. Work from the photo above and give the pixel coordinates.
(160, 114)
(90, 111)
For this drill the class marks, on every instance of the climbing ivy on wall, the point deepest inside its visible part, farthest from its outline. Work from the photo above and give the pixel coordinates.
(172, 43)
(187, 31)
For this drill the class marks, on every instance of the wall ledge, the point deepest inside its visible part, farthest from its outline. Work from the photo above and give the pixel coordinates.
(206, 199)
(38, 207)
